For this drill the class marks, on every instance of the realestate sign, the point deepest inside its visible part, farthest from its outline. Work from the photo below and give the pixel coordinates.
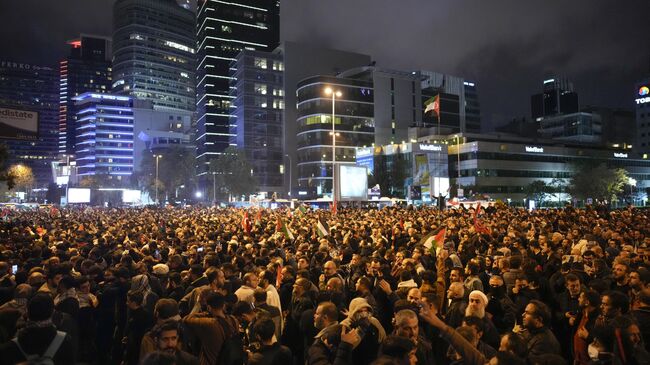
(18, 124)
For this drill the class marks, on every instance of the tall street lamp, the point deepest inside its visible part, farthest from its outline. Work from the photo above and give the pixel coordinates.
(158, 157)
(335, 94)
(290, 182)
(214, 187)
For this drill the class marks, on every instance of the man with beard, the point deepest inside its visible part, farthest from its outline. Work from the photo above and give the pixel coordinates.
(166, 337)
(245, 293)
(476, 308)
(500, 306)
(567, 302)
(583, 323)
(326, 315)
(286, 287)
(621, 278)
(407, 325)
(301, 302)
(539, 338)
(457, 304)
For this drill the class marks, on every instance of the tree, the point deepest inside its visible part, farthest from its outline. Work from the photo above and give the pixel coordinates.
(53, 195)
(176, 169)
(537, 191)
(5, 177)
(22, 176)
(234, 173)
(597, 182)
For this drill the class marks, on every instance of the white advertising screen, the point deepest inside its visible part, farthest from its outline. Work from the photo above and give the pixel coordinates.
(76, 195)
(131, 196)
(353, 182)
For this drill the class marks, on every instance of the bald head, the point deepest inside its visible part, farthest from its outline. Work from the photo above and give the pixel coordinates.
(456, 290)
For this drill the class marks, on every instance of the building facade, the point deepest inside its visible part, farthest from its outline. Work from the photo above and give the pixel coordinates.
(86, 69)
(354, 127)
(32, 88)
(460, 110)
(257, 87)
(223, 30)
(576, 127)
(154, 52)
(642, 111)
(557, 97)
(104, 135)
(302, 61)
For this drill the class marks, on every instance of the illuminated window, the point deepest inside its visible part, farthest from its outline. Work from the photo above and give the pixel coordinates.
(226, 29)
(278, 66)
(260, 89)
(260, 62)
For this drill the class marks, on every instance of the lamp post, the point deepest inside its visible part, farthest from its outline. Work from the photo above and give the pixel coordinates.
(334, 94)
(214, 187)
(157, 160)
(290, 177)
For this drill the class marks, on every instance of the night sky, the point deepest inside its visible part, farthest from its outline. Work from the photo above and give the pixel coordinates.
(506, 47)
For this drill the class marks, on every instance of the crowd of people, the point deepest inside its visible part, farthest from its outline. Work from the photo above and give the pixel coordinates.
(398, 285)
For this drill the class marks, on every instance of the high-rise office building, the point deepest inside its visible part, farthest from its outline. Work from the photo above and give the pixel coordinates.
(354, 125)
(642, 109)
(557, 97)
(33, 88)
(460, 109)
(154, 53)
(223, 29)
(576, 127)
(397, 101)
(302, 61)
(257, 86)
(86, 69)
(104, 135)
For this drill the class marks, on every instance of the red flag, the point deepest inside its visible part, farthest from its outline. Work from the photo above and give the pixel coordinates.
(278, 225)
(479, 227)
(258, 218)
(333, 207)
(245, 223)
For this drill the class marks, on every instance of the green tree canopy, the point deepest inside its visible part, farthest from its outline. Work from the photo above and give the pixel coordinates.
(176, 169)
(233, 172)
(597, 182)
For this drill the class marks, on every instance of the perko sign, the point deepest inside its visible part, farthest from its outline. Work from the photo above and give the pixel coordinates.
(644, 91)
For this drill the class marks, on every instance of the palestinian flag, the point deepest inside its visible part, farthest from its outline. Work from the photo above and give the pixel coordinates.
(282, 227)
(258, 218)
(434, 241)
(322, 228)
(333, 207)
(433, 104)
(302, 209)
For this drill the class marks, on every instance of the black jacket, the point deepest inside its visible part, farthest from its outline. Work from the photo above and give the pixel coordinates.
(320, 354)
(275, 354)
(35, 340)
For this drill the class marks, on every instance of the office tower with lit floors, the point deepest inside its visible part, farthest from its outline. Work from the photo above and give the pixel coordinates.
(104, 135)
(154, 53)
(86, 69)
(223, 30)
(31, 88)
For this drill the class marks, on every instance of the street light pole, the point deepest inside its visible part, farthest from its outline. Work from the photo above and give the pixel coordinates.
(157, 160)
(334, 95)
(290, 177)
(214, 187)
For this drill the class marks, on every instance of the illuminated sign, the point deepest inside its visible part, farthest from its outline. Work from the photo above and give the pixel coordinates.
(620, 155)
(548, 81)
(643, 100)
(644, 90)
(534, 149)
(364, 151)
(430, 147)
(22, 66)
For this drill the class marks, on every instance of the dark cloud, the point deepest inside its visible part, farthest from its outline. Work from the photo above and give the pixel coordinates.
(507, 46)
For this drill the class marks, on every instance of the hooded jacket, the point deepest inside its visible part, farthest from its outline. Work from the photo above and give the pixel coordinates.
(357, 304)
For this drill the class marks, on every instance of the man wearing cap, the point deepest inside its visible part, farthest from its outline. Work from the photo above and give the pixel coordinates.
(476, 308)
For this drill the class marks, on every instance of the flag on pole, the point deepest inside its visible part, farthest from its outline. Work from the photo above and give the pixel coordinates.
(333, 207)
(479, 227)
(433, 104)
(282, 227)
(245, 223)
(434, 241)
(322, 228)
(302, 209)
(258, 218)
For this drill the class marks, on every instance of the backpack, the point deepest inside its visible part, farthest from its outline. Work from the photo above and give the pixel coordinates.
(47, 358)
(232, 350)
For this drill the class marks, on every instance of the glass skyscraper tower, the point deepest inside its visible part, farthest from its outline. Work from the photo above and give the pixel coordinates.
(223, 29)
(154, 53)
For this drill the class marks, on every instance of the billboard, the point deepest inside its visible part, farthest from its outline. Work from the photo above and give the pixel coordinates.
(353, 182)
(76, 195)
(18, 124)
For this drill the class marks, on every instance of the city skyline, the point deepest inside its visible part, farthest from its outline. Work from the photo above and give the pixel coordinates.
(600, 46)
